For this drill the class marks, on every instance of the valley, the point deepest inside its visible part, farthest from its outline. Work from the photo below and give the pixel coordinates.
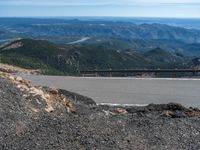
(63, 46)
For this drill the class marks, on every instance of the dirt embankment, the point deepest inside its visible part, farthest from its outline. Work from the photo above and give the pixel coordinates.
(14, 69)
(48, 118)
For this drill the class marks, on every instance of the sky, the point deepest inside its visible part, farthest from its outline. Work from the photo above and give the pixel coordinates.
(119, 8)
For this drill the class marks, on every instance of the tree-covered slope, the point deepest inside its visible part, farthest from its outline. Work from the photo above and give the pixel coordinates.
(56, 59)
(34, 54)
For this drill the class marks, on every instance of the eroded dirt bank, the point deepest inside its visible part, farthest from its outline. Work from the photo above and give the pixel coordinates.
(48, 118)
(15, 69)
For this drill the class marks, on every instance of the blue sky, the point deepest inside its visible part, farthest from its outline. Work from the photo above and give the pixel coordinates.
(128, 8)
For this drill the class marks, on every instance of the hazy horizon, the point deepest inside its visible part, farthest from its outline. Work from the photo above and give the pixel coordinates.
(101, 17)
(101, 8)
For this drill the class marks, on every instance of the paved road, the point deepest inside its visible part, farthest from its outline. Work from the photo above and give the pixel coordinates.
(128, 90)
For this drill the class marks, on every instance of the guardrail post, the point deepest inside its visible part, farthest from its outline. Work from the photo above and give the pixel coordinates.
(194, 73)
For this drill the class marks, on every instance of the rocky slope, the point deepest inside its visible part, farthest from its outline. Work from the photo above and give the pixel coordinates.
(195, 63)
(48, 118)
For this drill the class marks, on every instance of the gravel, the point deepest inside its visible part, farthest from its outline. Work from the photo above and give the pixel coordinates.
(24, 124)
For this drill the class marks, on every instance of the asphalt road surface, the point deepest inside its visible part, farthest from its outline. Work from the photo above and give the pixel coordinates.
(132, 91)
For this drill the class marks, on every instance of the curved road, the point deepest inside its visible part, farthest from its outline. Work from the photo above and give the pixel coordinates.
(127, 90)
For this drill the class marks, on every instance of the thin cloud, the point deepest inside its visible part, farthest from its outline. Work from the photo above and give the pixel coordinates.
(98, 2)
(150, 8)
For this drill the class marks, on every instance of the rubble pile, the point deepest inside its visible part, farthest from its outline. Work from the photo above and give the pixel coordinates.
(50, 95)
(34, 118)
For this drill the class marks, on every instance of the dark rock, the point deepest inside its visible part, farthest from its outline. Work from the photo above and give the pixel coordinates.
(161, 107)
(77, 98)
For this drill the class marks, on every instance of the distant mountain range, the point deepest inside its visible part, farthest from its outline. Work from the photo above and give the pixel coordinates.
(120, 34)
(63, 31)
(61, 46)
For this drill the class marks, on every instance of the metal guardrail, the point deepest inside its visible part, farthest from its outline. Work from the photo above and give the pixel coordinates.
(142, 71)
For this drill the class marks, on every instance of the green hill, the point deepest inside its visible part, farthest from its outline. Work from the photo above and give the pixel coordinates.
(34, 54)
(164, 59)
(56, 59)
